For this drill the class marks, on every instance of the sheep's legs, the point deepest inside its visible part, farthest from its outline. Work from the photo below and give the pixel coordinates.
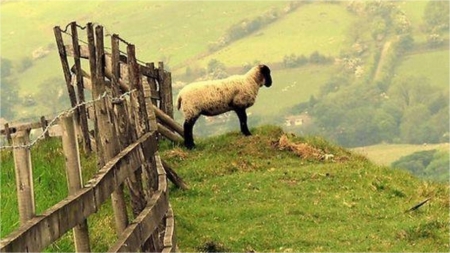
(188, 135)
(242, 115)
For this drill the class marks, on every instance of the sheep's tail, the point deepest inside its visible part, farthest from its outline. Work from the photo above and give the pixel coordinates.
(179, 103)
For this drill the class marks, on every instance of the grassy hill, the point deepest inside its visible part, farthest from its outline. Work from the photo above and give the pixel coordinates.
(266, 193)
(247, 194)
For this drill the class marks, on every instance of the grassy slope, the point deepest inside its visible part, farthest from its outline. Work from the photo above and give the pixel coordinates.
(290, 87)
(159, 29)
(247, 195)
(312, 27)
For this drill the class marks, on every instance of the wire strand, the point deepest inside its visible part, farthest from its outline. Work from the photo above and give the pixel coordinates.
(65, 113)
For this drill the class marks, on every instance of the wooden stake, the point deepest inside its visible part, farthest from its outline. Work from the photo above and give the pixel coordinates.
(8, 133)
(108, 138)
(24, 176)
(80, 90)
(44, 126)
(173, 176)
(74, 179)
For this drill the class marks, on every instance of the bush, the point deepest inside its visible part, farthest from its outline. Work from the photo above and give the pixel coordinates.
(430, 164)
(24, 64)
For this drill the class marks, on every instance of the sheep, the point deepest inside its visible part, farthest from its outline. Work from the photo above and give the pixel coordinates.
(215, 97)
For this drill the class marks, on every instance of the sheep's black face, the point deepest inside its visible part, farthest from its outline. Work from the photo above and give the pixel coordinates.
(265, 71)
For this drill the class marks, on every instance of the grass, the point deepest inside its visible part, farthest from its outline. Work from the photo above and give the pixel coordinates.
(291, 87)
(313, 27)
(432, 65)
(386, 154)
(50, 187)
(248, 195)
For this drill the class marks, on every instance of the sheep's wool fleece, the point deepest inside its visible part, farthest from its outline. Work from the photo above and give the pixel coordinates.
(218, 96)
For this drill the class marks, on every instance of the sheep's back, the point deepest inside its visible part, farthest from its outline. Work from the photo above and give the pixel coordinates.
(208, 97)
(217, 96)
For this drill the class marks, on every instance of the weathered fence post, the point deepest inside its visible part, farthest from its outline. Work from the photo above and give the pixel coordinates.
(107, 135)
(139, 117)
(165, 90)
(44, 126)
(8, 134)
(24, 176)
(152, 84)
(65, 65)
(74, 180)
(80, 90)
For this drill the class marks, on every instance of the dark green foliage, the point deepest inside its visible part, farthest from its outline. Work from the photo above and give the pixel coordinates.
(293, 61)
(52, 95)
(212, 246)
(24, 64)
(436, 16)
(431, 164)
(9, 90)
(411, 110)
(6, 66)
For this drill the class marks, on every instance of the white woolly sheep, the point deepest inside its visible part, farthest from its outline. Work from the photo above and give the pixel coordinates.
(215, 97)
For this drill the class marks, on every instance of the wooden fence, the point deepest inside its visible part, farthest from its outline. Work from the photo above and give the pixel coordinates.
(126, 119)
(9, 129)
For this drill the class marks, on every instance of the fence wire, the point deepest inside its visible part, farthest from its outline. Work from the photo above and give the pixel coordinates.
(66, 113)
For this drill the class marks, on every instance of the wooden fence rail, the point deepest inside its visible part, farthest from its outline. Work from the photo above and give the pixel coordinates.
(126, 123)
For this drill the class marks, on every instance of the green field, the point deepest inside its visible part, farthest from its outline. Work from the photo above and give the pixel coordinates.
(161, 30)
(291, 87)
(432, 65)
(314, 27)
(386, 154)
(247, 194)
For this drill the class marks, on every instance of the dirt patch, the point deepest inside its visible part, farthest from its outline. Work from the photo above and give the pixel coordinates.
(303, 150)
(176, 153)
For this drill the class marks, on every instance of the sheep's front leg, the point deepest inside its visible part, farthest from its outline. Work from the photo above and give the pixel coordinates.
(188, 135)
(242, 115)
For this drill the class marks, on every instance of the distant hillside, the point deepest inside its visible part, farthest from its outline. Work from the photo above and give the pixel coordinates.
(327, 59)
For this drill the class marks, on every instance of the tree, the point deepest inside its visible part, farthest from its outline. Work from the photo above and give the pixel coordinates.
(416, 162)
(6, 66)
(9, 91)
(386, 125)
(24, 64)
(415, 127)
(438, 169)
(52, 96)
(411, 90)
(436, 15)
(216, 70)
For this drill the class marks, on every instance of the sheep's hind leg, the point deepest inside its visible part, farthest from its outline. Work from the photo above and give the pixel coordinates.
(242, 115)
(188, 135)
